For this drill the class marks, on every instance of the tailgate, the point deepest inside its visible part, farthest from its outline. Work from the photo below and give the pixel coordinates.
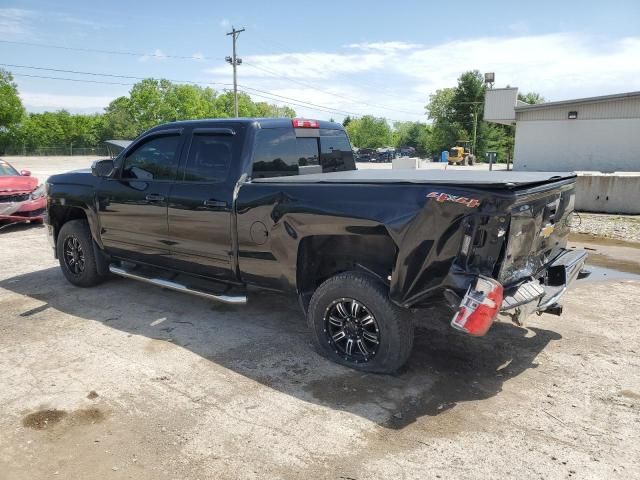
(538, 231)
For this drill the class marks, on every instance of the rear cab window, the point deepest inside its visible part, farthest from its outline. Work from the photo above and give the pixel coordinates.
(287, 151)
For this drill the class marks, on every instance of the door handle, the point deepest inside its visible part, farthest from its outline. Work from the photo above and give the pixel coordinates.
(154, 197)
(215, 203)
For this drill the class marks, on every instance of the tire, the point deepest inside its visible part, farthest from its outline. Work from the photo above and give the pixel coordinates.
(392, 326)
(78, 262)
(472, 159)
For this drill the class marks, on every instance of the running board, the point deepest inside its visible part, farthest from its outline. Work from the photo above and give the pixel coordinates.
(178, 287)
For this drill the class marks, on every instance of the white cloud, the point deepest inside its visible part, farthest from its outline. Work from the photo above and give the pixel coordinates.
(307, 65)
(388, 47)
(225, 23)
(14, 22)
(401, 76)
(21, 23)
(75, 103)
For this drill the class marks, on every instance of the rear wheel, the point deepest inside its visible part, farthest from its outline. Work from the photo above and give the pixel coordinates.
(354, 323)
(76, 255)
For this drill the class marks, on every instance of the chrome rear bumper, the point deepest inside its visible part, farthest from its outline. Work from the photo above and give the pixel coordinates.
(544, 292)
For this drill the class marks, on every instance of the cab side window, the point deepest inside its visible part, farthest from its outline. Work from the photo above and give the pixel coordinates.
(275, 153)
(209, 158)
(155, 159)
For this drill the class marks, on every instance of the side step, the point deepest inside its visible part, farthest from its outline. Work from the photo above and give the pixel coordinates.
(179, 287)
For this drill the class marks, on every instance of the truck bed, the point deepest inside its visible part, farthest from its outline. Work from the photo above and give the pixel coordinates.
(495, 179)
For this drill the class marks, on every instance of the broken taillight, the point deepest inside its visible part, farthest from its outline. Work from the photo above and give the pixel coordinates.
(479, 307)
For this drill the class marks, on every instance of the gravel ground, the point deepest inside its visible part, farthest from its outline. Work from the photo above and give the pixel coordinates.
(126, 380)
(622, 227)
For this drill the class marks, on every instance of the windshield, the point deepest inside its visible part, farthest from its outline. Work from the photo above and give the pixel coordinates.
(7, 170)
(453, 152)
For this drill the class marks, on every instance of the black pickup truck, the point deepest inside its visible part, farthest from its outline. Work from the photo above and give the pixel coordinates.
(215, 207)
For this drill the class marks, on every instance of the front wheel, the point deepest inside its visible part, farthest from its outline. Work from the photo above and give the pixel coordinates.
(76, 255)
(353, 322)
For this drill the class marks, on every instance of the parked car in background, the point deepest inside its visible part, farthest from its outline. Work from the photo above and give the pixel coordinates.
(365, 155)
(407, 151)
(22, 198)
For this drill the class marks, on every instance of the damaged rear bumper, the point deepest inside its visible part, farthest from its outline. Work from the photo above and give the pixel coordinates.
(544, 293)
(486, 298)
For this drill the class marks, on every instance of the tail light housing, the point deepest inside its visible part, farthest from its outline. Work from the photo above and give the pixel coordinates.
(304, 123)
(479, 307)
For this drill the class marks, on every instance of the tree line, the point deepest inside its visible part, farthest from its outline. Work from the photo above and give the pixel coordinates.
(149, 103)
(455, 113)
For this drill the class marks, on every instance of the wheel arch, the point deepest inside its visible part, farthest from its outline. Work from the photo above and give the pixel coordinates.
(322, 256)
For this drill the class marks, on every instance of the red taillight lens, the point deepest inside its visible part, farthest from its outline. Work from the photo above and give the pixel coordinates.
(303, 123)
(479, 307)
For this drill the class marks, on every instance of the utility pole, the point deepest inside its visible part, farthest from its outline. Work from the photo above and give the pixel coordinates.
(475, 129)
(235, 61)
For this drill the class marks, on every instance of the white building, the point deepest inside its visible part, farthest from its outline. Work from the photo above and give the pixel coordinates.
(592, 136)
(596, 134)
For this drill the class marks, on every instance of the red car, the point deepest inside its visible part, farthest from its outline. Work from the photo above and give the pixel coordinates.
(21, 197)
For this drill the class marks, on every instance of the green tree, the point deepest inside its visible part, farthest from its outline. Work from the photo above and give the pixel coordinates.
(118, 121)
(468, 110)
(411, 134)
(445, 131)
(369, 132)
(11, 109)
(346, 121)
(531, 98)
(149, 103)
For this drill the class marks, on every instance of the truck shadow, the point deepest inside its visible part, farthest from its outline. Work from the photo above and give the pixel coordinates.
(267, 341)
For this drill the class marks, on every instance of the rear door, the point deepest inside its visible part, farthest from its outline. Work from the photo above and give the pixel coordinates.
(132, 205)
(201, 202)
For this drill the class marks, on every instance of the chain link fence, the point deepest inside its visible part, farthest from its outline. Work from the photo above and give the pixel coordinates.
(69, 150)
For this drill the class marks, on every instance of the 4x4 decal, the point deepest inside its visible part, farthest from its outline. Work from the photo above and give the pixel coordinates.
(447, 197)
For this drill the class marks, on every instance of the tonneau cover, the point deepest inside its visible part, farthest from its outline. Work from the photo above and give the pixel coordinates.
(499, 179)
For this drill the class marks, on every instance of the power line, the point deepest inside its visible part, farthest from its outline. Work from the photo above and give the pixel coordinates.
(80, 80)
(315, 87)
(109, 52)
(296, 101)
(260, 95)
(96, 74)
(193, 57)
(271, 41)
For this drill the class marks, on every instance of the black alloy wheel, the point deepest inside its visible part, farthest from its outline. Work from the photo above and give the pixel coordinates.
(352, 330)
(74, 255)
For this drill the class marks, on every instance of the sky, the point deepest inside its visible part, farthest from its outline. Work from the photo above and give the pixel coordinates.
(324, 59)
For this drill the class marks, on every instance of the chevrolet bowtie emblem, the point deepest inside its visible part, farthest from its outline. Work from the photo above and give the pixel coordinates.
(547, 231)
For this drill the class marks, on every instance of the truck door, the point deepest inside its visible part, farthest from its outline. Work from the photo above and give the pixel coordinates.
(132, 205)
(201, 203)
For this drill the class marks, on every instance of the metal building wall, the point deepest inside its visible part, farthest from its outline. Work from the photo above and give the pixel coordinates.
(611, 109)
(499, 105)
(584, 144)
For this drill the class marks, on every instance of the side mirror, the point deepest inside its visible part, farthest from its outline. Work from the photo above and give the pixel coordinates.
(25, 173)
(102, 168)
